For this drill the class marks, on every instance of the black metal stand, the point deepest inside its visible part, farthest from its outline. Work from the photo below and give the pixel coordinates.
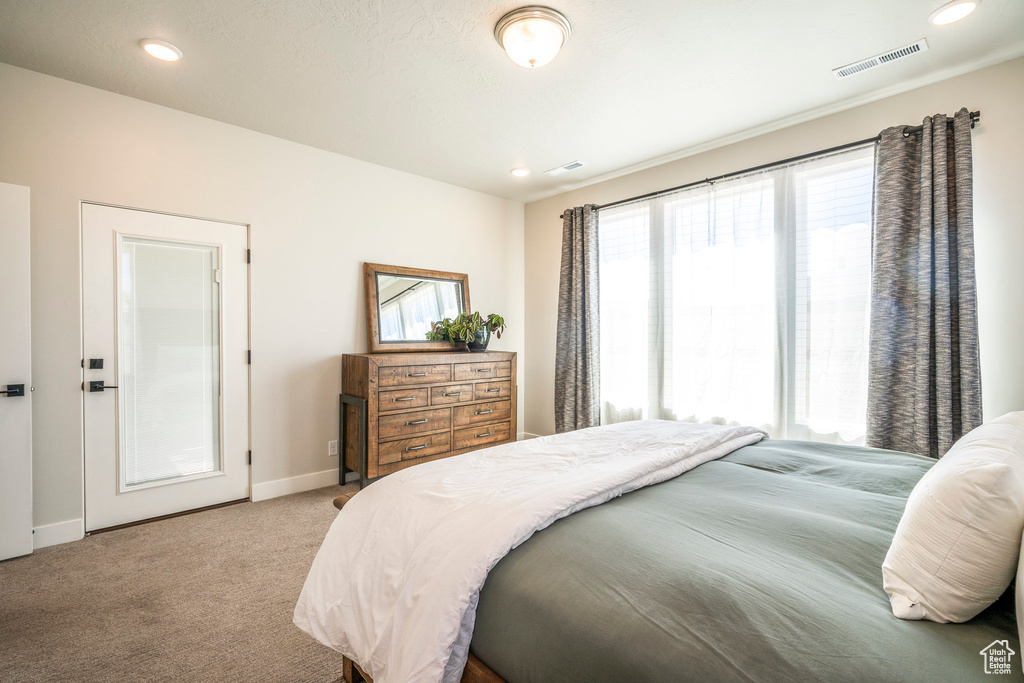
(360, 405)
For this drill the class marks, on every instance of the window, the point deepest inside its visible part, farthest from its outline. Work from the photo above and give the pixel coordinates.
(743, 301)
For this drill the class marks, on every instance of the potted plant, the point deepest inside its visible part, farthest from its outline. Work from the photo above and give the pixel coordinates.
(472, 328)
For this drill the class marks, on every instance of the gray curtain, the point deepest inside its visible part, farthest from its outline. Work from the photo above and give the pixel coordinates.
(924, 385)
(577, 393)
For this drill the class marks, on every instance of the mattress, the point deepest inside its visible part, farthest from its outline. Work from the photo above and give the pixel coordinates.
(764, 565)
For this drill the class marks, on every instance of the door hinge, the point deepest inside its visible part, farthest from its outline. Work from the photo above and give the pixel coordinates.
(248, 255)
(248, 356)
(250, 457)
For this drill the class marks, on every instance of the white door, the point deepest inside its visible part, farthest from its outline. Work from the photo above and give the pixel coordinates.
(15, 384)
(165, 344)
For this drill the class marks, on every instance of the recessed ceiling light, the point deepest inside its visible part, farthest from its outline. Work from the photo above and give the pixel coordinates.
(161, 50)
(520, 172)
(532, 36)
(953, 11)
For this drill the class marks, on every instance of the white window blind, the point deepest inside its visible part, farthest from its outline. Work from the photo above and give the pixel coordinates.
(743, 301)
(169, 360)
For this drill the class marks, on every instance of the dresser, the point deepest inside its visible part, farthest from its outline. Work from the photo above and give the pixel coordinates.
(401, 409)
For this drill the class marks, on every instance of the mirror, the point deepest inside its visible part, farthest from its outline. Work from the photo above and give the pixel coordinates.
(410, 306)
(402, 303)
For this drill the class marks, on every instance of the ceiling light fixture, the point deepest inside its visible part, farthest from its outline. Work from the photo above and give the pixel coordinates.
(532, 36)
(953, 11)
(161, 50)
(520, 172)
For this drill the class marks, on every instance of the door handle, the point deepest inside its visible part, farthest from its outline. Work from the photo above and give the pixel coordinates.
(493, 391)
(98, 385)
(485, 412)
(417, 422)
(14, 390)
(452, 393)
(406, 398)
(415, 448)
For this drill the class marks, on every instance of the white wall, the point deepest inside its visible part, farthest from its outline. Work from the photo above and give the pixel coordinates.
(315, 217)
(997, 91)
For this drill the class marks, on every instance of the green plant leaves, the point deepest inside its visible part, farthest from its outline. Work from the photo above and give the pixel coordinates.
(464, 327)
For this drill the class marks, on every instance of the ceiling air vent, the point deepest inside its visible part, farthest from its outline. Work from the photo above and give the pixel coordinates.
(879, 60)
(571, 166)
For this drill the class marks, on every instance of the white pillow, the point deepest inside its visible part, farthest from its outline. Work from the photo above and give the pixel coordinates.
(958, 543)
(1020, 598)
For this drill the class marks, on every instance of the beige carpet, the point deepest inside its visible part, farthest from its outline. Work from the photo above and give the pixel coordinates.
(204, 597)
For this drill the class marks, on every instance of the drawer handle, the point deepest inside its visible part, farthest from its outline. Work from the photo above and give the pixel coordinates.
(415, 374)
(493, 391)
(407, 398)
(454, 393)
(415, 448)
(480, 436)
(484, 412)
(417, 422)
(485, 369)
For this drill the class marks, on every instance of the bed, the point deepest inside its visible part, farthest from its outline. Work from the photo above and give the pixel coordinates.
(764, 565)
(760, 565)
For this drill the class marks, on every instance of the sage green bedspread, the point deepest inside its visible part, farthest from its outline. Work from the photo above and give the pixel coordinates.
(765, 565)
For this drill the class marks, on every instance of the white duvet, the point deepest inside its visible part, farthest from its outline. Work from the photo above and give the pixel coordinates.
(396, 582)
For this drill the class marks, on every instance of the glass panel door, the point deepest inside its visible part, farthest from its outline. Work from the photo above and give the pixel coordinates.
(169, 361)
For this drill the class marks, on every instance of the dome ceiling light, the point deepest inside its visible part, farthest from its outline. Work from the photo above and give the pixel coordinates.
(953, 11)
(532, 36)
(161, 50)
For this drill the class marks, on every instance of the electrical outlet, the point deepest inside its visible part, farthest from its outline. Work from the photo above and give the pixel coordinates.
(332, 448)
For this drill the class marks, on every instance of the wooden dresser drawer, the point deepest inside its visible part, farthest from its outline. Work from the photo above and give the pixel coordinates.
(453, 393)
(405, 375)
(403, 398)
(481, 413)
(487, 370)
(479, 436)
(416, 447)
(403, 424)
(485, 390)
(421, 407)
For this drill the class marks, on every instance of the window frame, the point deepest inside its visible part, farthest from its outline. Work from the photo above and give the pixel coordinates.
(785, 227)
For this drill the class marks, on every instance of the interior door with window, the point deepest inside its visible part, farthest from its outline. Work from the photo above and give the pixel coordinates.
(15, 366)
(165, 348)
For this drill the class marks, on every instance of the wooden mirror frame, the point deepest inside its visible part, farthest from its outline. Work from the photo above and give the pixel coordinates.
(374, 343)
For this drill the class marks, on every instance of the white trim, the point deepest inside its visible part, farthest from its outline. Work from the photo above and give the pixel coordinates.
(303, 482)
(55, 534)
(1006, 55)
(527, 435)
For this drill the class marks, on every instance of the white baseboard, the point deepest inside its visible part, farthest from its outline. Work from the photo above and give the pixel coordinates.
(303, 482)
(61, 532)
(527, 435)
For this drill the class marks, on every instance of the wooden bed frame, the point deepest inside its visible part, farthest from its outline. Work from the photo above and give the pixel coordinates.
(475, 672)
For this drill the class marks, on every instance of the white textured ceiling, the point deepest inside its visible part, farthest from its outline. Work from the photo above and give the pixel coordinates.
(422, 86)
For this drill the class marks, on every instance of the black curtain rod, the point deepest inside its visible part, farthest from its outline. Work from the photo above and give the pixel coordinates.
(907, 132)
(407, 289)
